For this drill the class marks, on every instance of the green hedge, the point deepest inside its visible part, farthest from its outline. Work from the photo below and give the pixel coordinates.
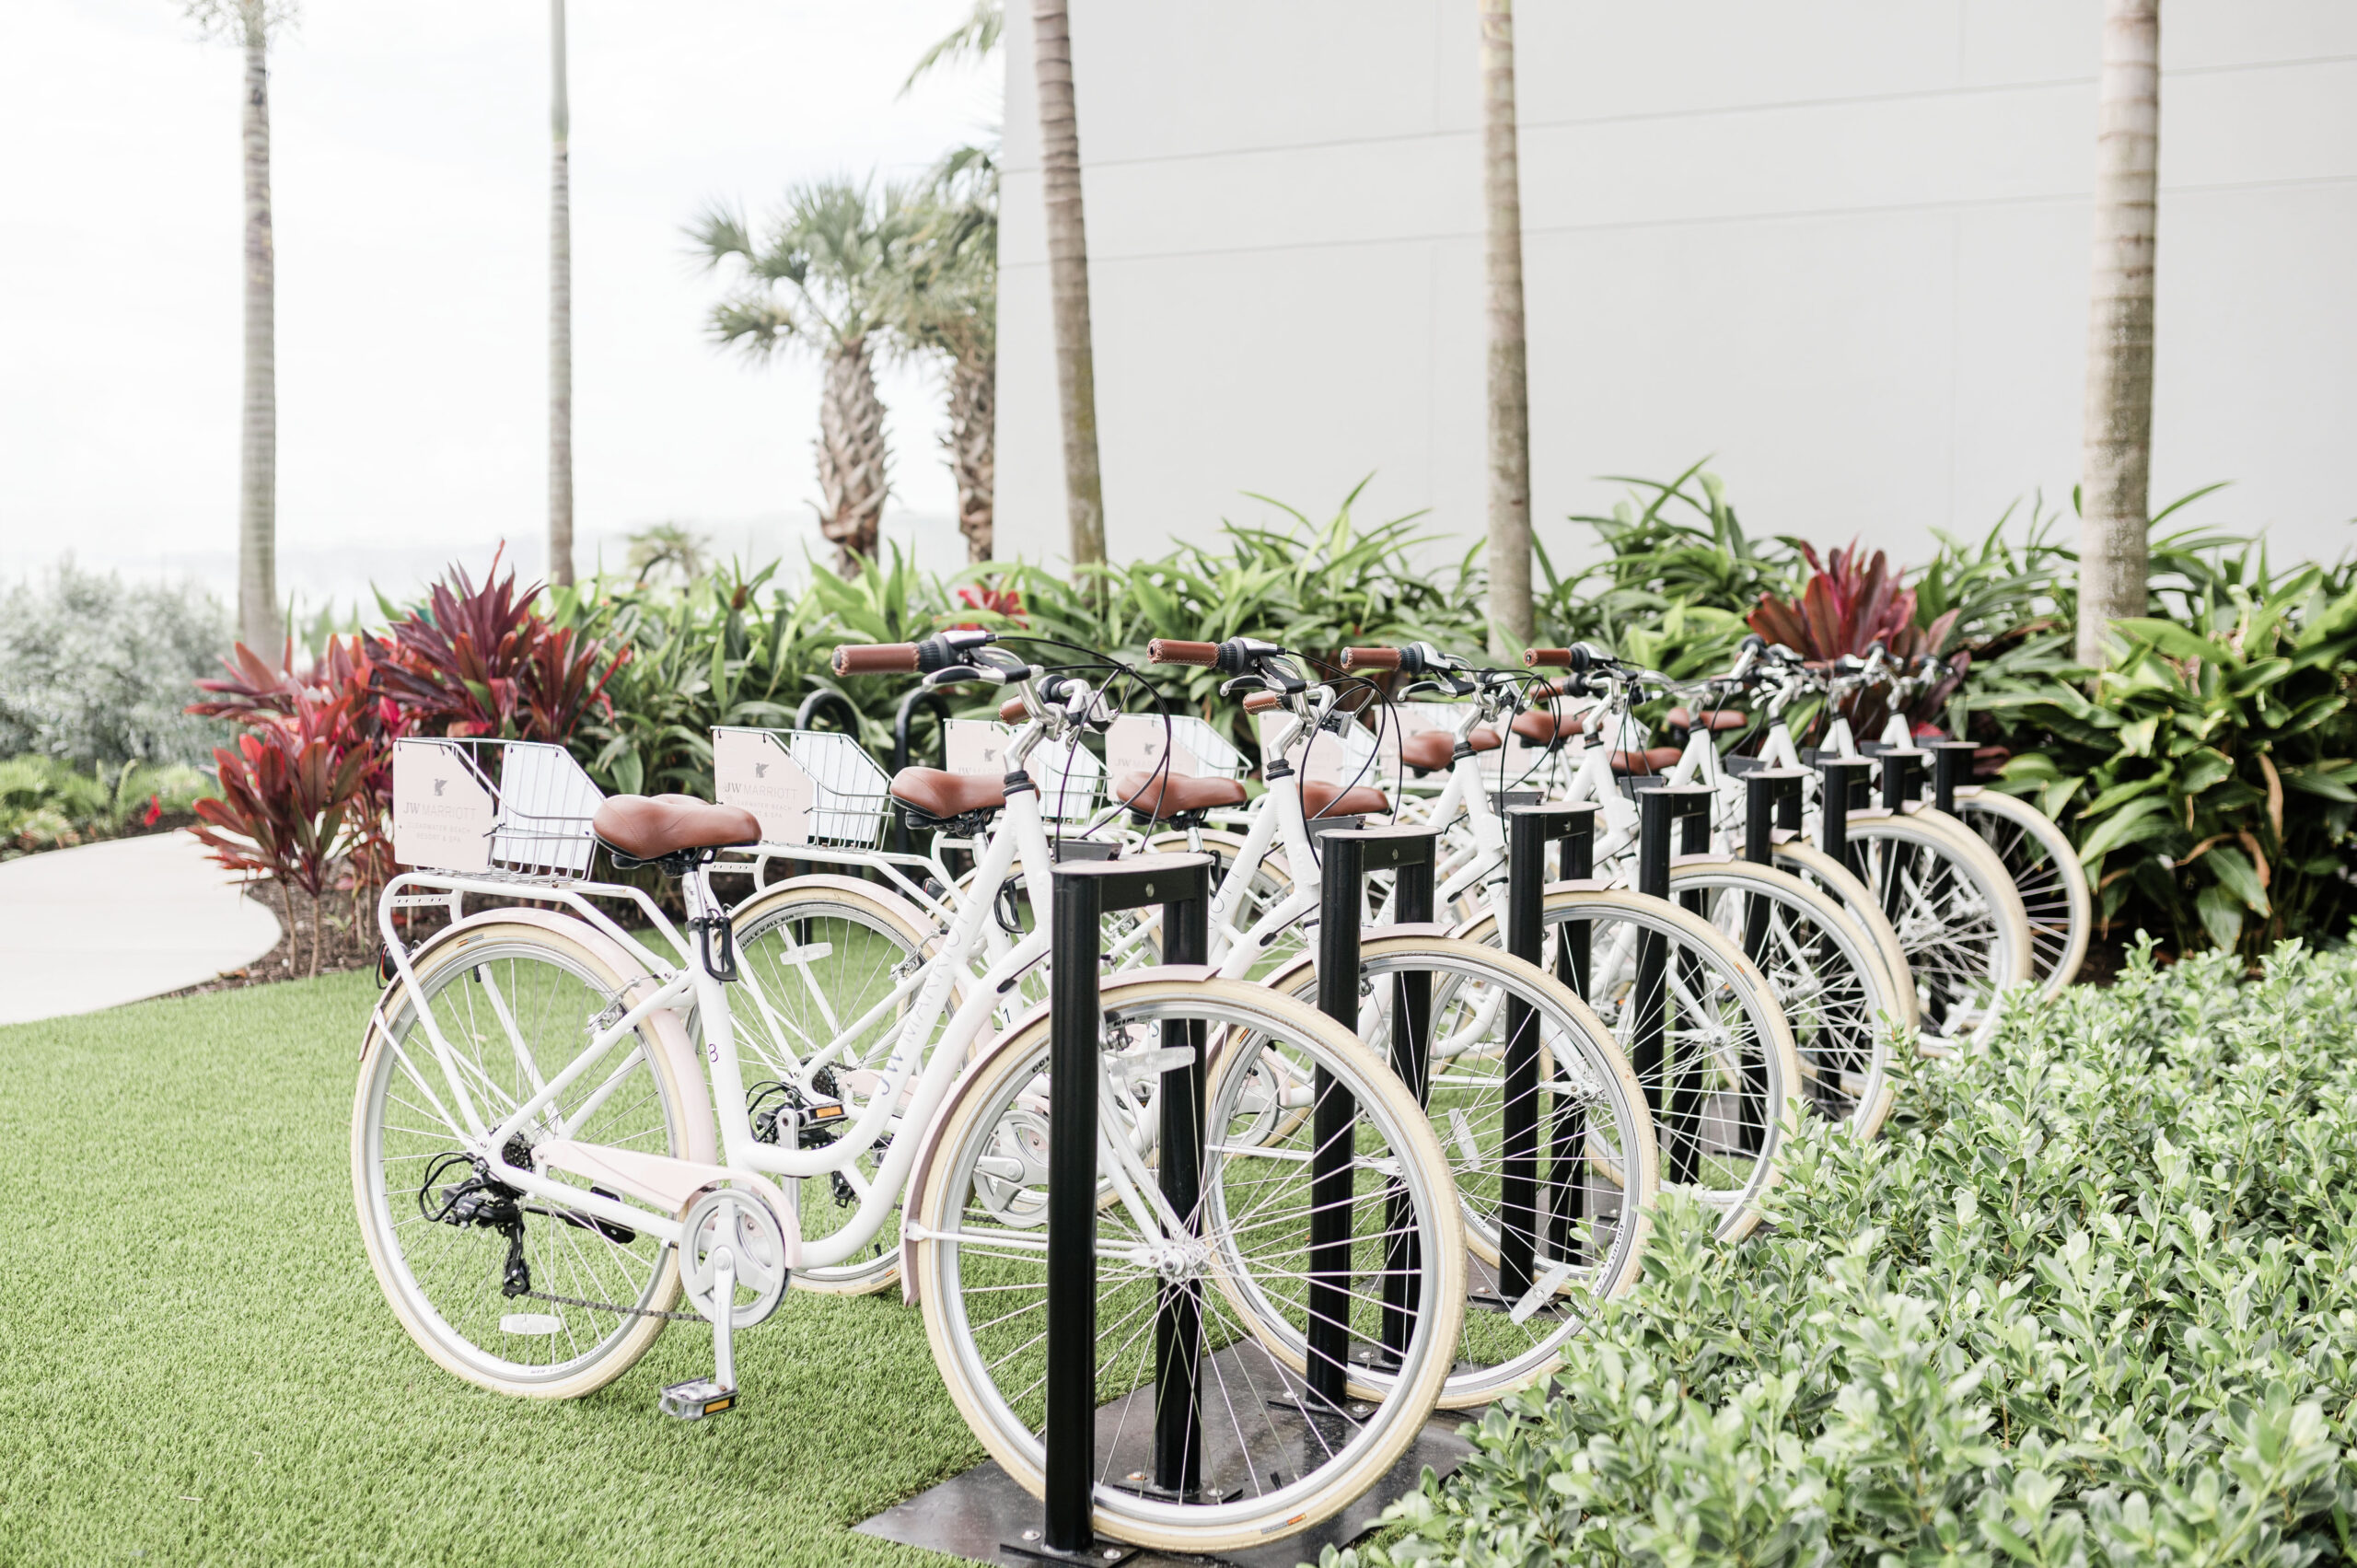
(2094, 1301)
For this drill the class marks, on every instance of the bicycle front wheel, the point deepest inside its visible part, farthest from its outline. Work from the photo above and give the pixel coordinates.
(1270, 1454)
(1699, 1026)
(1825, 975)
(2048, 875)
(1958, 918)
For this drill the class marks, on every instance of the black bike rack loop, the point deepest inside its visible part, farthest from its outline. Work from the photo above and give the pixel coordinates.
(1659, 809)
(1524, 1210)
(1085, 891)
(1345, 857)
(1951, 770)
(1835, 797)
(901, 717)
(823, 699)
(1903, 778)
(1411, 853)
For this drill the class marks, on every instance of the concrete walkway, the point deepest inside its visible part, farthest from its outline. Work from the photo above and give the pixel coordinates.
(86, 928)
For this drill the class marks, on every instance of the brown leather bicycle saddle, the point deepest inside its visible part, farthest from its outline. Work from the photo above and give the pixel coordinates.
(648, 826)
(1710, 718)
(1652, 759)
(943, 795)
(1174, 795)
(1333, 800)
(1431, 750)
(1537, 727)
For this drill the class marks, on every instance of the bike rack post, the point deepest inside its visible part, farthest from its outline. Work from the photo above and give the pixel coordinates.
(1345, 855)
(1951, 768)
(1835, 796)
(1179, 1314)
(1902, 772)
(1085, 891)
(1658, 809)
(1411, 1061)
(1529, 829)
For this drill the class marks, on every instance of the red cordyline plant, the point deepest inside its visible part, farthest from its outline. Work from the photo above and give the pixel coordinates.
(295, 800)
(482, 661)
(1850, 602)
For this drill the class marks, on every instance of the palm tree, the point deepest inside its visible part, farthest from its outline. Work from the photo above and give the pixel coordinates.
(1068, 280)
(946, 303)
(248, 24)
(2116, 447)
(972, 39)
(1509, 556)
(823, 278)
(560, 308)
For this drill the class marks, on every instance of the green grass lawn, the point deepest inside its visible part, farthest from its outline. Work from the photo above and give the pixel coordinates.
(196, 1364)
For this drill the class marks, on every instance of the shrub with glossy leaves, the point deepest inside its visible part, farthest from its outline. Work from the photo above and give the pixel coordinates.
(2093, 1303)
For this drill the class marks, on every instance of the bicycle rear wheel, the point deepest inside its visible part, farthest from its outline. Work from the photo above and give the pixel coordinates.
(1958, 918)
(516, 998)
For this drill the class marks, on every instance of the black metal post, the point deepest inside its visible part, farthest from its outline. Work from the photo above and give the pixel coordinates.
(1902, 773)
(1333, 1122)
(1084, 891)
(1648, 1002)
(1179, 1315)
(1074, 1024)
(1951, 769)
(1411, 1037)
(1567, 1129)
(1834, 798)
(1518, 1115)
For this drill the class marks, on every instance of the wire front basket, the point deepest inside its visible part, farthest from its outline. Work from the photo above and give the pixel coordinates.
(489, 807)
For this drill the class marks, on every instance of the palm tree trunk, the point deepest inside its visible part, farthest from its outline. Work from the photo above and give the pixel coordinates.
(1068, 278)
(852, 461)
(971, 443)
(559, 310)
(1510, 621)
(258, 622)
(2117, 431)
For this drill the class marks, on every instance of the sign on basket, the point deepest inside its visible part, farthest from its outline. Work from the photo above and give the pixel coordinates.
(443, 814)
(751, 770)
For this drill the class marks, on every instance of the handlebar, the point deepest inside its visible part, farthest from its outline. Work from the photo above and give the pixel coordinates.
(1261, 701)
(1169, 650)
(1012, 710)
(1355, 659)
(877, 658)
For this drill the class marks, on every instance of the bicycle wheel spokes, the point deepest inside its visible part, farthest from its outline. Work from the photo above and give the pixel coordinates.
(824, 996)
(1820, 968)
(1545, 1146)
(1951, 931)
(2046, 873)
(1703, 1041)
(472, 1266)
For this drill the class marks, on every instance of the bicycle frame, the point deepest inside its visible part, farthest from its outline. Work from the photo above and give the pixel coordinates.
(659, 1180)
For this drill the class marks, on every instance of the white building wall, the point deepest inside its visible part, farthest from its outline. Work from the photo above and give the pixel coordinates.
(1840, 244)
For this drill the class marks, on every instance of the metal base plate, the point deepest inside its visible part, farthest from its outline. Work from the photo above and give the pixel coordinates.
(981, 1515)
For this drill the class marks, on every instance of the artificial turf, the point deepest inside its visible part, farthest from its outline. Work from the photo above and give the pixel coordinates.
(196, 1364)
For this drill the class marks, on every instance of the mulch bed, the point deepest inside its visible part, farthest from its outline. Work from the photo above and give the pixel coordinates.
(345, 943)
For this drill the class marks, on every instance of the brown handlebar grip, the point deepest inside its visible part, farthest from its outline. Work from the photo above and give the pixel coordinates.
(1818, 665)
(1547, 658)
(1547, 691)
(1370, 658)
(1011, 711)
(1169, 650)
(877, 659)
(1261, 701)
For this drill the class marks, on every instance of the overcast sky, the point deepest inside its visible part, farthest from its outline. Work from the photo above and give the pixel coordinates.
(409, 148)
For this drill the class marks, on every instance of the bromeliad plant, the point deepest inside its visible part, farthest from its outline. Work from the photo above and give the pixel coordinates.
(2212, 773)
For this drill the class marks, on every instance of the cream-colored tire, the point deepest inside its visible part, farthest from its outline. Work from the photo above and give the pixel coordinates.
(550, 975)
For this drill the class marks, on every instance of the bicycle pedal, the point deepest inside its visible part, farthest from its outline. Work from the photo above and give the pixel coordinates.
(696, 1399)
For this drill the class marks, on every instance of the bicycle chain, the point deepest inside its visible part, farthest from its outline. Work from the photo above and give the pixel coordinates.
(609, 1307)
